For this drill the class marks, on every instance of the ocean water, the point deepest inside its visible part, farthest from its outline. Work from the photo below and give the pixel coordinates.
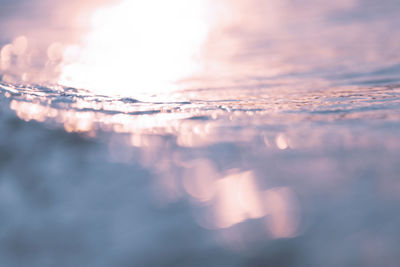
(284, 151)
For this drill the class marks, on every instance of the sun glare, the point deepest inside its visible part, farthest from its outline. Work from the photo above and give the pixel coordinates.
(139, 47)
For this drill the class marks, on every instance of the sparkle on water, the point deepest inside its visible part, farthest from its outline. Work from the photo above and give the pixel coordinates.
(153, 48)
(281, 149)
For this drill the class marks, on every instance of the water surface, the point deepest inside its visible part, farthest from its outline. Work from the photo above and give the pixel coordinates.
(282, 150)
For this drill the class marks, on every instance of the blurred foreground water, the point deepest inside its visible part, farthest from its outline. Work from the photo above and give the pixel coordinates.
(283, 151)
(266, 177)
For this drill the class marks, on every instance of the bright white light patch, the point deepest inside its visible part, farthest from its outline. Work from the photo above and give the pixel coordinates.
(139, 47)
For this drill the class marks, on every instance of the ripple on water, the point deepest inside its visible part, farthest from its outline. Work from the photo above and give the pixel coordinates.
(266, 170)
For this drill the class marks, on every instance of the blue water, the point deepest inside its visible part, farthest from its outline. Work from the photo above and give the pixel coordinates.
(285, 153)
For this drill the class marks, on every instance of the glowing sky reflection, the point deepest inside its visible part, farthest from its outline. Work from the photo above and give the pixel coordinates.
(140, 47)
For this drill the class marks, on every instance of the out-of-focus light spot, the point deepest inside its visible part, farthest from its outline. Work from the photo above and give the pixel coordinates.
(31, 111)
(72, 121)
(4, 65)
(266, 141)
(19, 45)
(78, 121)
(199, 180)
(8, 78)
(281, 142)
(25, 77)
(139, 140)
(237, 200)
(190, 135)
(283, 215)
(55, 51)
(5, 56)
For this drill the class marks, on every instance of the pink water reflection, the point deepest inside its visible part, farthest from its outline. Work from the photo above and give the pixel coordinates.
(275, 117)
(221, 43)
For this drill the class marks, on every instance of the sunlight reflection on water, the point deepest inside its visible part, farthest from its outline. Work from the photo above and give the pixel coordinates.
(285, 135)
(277, 120)
(256, 163)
